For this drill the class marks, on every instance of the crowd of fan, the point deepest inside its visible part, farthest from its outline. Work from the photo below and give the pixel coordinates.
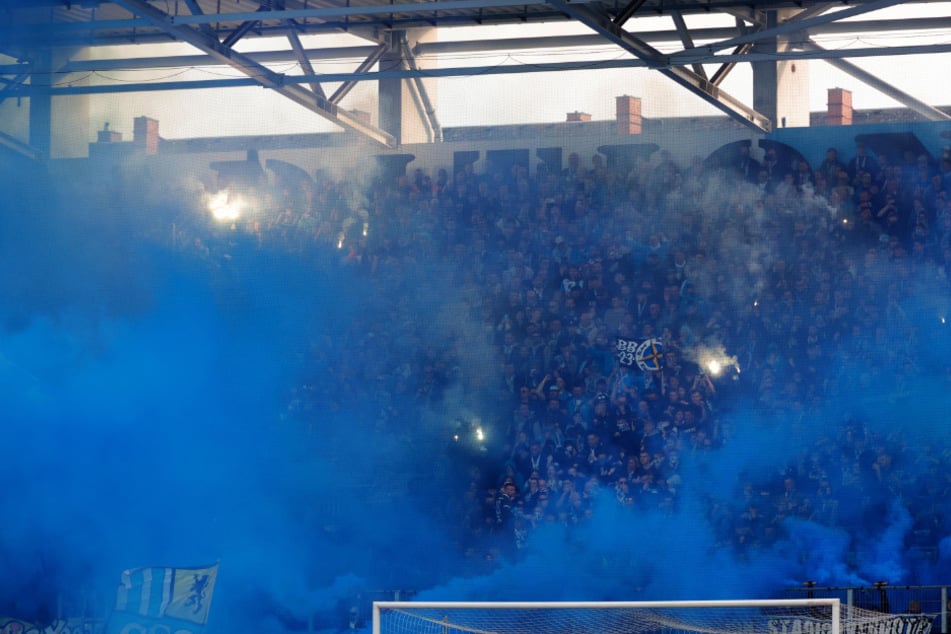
(794, 279)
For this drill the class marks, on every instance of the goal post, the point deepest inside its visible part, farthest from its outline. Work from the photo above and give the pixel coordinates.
(762, 616)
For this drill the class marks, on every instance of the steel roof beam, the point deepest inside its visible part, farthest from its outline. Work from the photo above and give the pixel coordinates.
(259, 73)
(19, 147)
(103, 32)
(326, 12)
(602, 24)
(823, 54)
(727, 67)
(359, 73)
(792, 26)
(12, 85)
(363, 32)
(185, 61)
(196, 10)
(686, 39)
(699, 55)
(628, 12)
(928, 112)
(814, 10)
(429, 111)
(632, 62)
(302, 58)
(504, 44)
(235, 36)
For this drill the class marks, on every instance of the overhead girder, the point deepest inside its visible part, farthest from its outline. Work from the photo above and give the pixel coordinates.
(727, 58)
(258, 72)
(302, 58)
(823, 54)
(628, 12)
(928, 112)
(340, 11)
(420, 92)
(297, 17)
(12, 84)
(235, 36)
(321, 16)
(195, 9)
(349, 84)
(727, 67)
(602, 24)
(790, 26)
(700, 54)
(19, 147)
(686, 39)
(814, 10)
(60, 32)
(367, 33)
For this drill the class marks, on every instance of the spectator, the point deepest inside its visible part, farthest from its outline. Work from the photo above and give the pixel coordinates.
(557, 265)
(861, 163)
(831, 166)
(505, 517)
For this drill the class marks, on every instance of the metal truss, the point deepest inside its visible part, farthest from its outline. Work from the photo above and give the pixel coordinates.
(702, 59)
(204, 39)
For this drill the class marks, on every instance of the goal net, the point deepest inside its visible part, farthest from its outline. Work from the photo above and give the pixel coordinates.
(792, 616)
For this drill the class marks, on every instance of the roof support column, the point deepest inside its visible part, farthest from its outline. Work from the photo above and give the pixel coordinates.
(41, 103)
(780, 88)
(405, 110)
(58, 126)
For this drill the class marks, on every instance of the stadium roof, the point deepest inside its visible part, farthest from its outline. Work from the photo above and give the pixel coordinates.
(41, 37)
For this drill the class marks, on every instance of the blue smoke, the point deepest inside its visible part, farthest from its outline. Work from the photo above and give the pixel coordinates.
(154, 416)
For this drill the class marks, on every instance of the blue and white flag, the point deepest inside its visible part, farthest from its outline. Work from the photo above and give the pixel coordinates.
(650, 355)
(168, 593)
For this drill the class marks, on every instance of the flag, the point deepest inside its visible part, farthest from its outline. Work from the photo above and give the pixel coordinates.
(626, 350)
(650, 355)
(191, 594)
(167, 593)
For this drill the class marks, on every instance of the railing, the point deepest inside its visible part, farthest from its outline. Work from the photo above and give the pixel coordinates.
(932, 600)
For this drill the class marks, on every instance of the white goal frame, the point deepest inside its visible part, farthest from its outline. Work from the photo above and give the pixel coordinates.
(834, 604)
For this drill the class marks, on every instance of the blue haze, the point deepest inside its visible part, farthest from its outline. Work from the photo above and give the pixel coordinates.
(146, 422)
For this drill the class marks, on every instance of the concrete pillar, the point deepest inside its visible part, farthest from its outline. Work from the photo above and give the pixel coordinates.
(41, 103)
(59, 126)
(400, 111)
(781, 89)
(54, 127)
(69, 125)
(839, 107)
